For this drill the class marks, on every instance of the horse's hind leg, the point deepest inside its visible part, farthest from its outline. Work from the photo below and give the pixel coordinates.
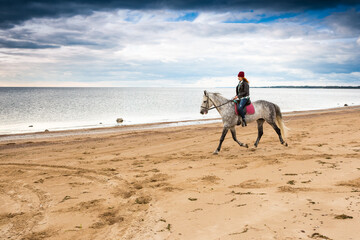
(233, 133)
(278, 131)
(223, 135)
(260, 123)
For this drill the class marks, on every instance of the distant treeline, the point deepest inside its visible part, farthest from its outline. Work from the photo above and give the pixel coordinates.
(328, 87)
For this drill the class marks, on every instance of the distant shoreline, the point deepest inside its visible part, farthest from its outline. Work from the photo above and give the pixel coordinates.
(325, 87)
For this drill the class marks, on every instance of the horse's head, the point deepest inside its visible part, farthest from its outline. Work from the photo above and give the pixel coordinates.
(206, 103)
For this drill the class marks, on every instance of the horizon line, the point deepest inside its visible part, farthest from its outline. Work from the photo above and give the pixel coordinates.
(276, 86)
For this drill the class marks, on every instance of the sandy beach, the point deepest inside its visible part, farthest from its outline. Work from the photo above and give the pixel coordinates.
(166, 183)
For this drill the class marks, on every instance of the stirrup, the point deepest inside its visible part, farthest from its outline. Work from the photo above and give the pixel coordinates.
(243, 123)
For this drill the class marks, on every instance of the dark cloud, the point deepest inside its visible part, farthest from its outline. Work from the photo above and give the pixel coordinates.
(4, 43)
(16, 11)
(345, 21)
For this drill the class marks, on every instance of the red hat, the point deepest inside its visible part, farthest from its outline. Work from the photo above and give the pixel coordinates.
(241, 74)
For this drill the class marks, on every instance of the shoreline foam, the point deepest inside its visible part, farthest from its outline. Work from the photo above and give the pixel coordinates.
(139, 127)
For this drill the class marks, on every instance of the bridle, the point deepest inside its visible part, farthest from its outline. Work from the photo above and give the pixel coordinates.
(210, 108)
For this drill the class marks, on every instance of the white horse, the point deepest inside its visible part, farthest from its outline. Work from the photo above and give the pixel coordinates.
(264, 111)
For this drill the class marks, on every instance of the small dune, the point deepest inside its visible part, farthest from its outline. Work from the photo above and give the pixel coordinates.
(351, 183)
(251, 184)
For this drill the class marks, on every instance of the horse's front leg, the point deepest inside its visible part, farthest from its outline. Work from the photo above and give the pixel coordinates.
(233, 133)
(223, 135)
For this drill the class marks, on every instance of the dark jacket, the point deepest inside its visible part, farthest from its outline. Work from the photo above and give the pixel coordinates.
(242, 89)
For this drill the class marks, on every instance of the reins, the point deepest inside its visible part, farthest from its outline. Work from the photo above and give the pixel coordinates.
(207, 104)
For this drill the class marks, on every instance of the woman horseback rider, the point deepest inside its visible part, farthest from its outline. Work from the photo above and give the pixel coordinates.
(242, 97)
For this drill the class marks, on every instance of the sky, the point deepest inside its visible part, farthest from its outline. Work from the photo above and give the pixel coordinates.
(180, 43)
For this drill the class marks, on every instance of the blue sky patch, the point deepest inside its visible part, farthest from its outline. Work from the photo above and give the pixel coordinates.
(188, 17)
(264, 18)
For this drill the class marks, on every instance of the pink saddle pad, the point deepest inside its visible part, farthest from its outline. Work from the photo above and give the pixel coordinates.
(249, 109)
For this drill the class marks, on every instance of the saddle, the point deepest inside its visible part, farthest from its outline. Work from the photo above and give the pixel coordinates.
(248, 109)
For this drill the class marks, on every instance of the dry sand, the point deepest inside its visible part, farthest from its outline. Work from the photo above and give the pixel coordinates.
(166, 184)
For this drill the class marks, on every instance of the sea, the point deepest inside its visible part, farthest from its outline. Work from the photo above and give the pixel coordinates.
(30, 109)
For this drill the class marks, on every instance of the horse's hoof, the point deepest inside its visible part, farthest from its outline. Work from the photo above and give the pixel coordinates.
(246, 146)
(255, 145)
(285, 144)
(216, 152)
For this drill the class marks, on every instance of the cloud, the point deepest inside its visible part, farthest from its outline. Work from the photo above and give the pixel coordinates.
(4, 43)
(169, 48)
(347, 22)
(16, 12)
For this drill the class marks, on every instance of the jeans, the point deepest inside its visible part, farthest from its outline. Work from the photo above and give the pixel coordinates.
(241, 106)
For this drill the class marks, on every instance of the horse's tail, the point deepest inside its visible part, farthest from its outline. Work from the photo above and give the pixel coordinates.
(280, 121)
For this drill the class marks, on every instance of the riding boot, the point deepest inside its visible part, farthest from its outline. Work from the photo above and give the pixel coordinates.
(243, 124)
(239, 121)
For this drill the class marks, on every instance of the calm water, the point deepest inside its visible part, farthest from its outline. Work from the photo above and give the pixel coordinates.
(71, 108)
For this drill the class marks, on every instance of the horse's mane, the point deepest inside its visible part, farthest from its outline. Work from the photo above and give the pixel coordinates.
(219, 95)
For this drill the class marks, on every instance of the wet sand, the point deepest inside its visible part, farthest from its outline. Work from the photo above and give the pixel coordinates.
(166, 184)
